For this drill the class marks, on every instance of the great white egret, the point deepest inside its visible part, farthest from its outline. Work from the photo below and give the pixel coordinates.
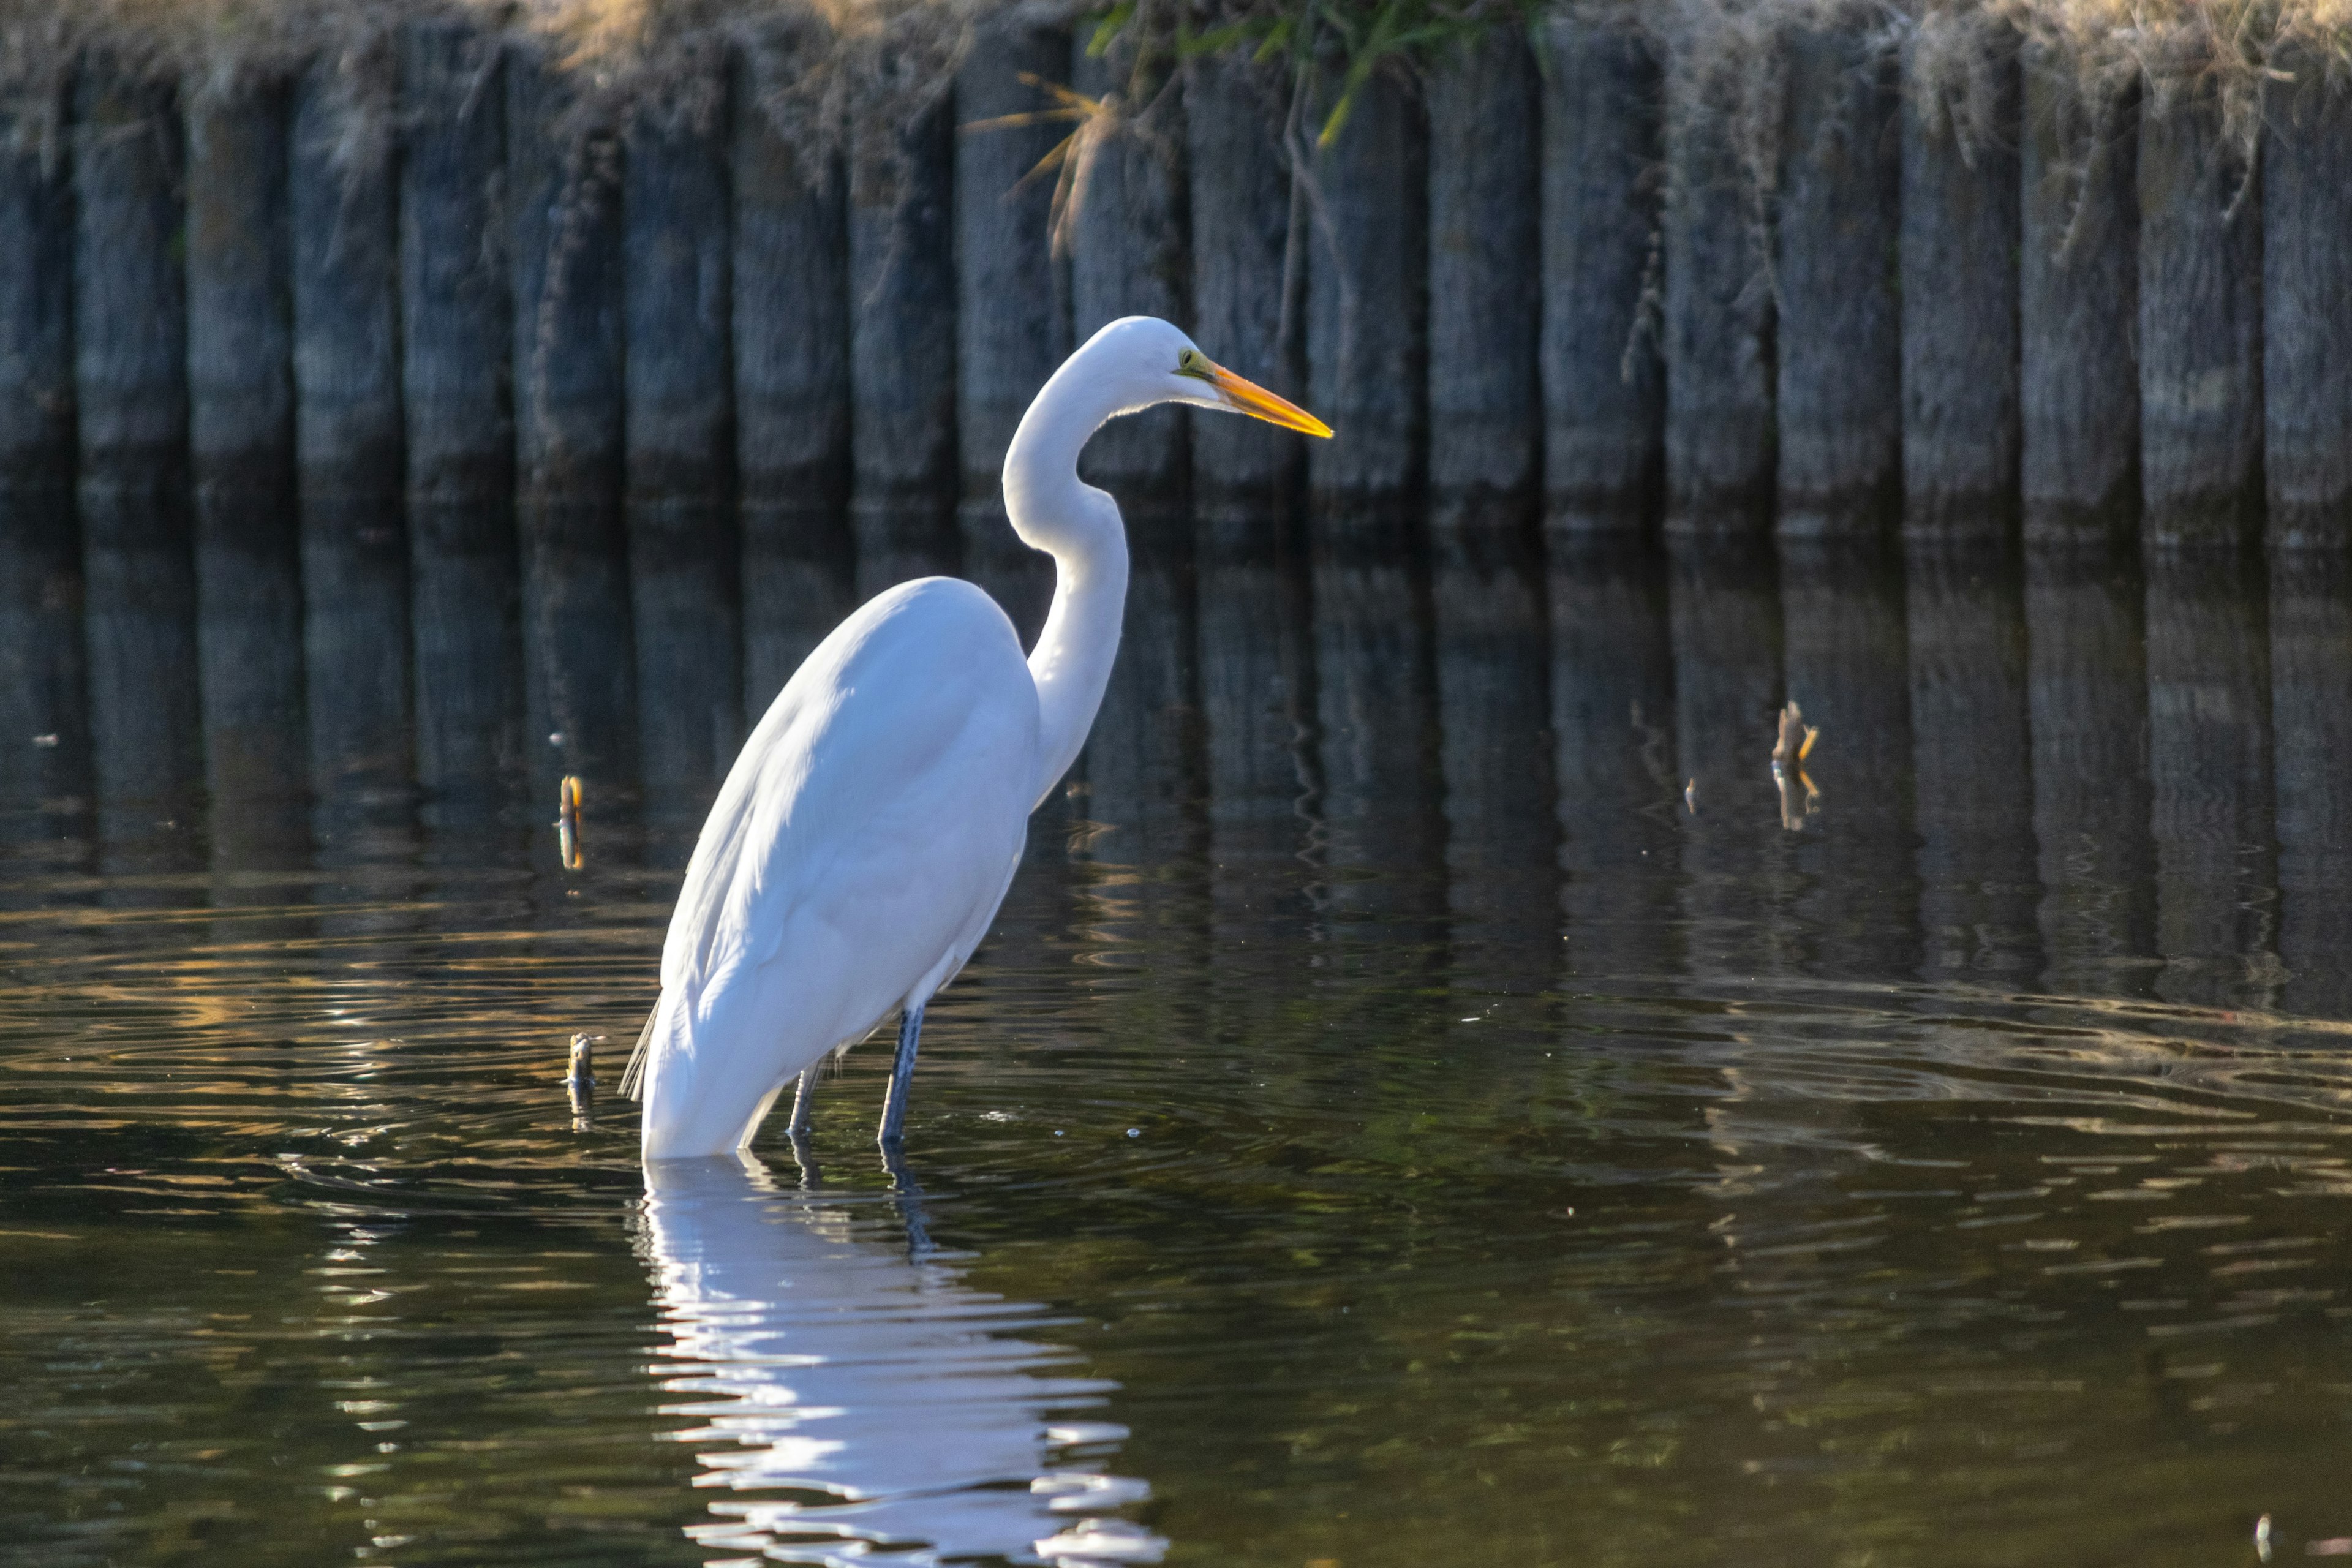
(865, 836)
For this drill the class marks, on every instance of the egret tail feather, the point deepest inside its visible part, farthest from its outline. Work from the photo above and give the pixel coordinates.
(633, 1078)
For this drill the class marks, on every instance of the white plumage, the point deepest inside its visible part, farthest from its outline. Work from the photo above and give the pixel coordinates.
(869, 831)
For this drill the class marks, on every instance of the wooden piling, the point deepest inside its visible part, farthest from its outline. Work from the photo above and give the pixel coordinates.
(790, 298)
(241, 441)
(1484, 274)
(352, 470)
(1979, 891)
(1840, 356)
(2086, 692)
(2306, 332)
(130, 326)
(2311, 704)
(36, 272)
(684, 552)
(565, 243)
(1958, 268)
(457, 320)
(2200, 330)
(902, 345)
(1603, 389)
(1246, 302)
(2211, 756)
(2078, 309)
(1013, 291)
(1131, 255)
(1718, 316)
(1367, 301)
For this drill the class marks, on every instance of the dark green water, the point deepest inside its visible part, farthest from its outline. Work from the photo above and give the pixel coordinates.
(1431, 1098)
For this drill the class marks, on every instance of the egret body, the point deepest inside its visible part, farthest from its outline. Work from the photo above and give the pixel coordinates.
(866, 833)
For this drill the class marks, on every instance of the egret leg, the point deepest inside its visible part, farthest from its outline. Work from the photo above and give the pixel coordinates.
(902, 1075)
(796, 1130)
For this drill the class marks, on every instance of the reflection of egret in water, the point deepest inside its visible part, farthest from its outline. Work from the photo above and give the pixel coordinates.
(884, 1405)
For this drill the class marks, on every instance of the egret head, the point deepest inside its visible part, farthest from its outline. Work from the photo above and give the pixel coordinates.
(1148, 362)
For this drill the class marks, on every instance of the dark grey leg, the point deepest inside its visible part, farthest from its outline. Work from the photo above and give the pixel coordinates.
(902, 1073)
(803, 1102)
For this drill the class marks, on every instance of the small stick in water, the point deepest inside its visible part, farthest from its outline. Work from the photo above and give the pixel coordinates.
(567, 821)
(579, 1080)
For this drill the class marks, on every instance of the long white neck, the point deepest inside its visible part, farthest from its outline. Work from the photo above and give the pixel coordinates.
(1079, 527)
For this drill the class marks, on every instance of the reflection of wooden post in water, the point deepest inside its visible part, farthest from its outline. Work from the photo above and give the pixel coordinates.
(1603, 395)
(2306, 350)
(1612, 723)
(130, 327)
(1242, 198)
(1131, 255)
(42, 687)
(1367, 277)
(1143, 764)
(2311, 705)
(1725, 604)
(1486, 403)
(1839, 352)
(456, 322)
(1959, 271)
(1971, 738)
(2200, 328)
(2078, 293)
(1487, 589)
(902, 342)
(351, 472)
(1718, 313)
(684, 559)
(791, 296)
(2086, 687)
(2210, 761)
(579, 649)
(1013, 297)
(241, 442)
(1848, 661)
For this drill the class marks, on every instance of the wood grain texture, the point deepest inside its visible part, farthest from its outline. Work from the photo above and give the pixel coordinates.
(2307, 331)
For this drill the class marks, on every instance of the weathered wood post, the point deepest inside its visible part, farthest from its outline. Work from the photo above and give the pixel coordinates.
(1245, 303)
(791, 302)
(1979, 891)
(1839, 391)
(902, 345)
(2311, 704)
(2307, 331)
(130, 374)
(684, 552)
(2210, 762)
(457, 321)
(2078, 308)
(1602, 388)
(1957, 262)
(1485, 166)
(1012, 294)
(564, 241)
(351, 467)
(241, 441)
(1131, 255)
(2201, 327)
(1367, 303)
(1612, 721)
(43, 690)
(1848, 656)
(1718, 310)
(2086, 688)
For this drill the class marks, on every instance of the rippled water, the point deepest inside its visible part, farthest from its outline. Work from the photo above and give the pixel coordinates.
(1432, 1096)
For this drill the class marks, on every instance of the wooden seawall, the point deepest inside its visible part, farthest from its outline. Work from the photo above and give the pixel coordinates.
(332, 458)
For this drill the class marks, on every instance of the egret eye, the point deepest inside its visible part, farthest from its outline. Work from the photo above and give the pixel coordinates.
(1190, 362)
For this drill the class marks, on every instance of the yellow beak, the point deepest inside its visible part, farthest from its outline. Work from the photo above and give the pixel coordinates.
(1256, 401)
